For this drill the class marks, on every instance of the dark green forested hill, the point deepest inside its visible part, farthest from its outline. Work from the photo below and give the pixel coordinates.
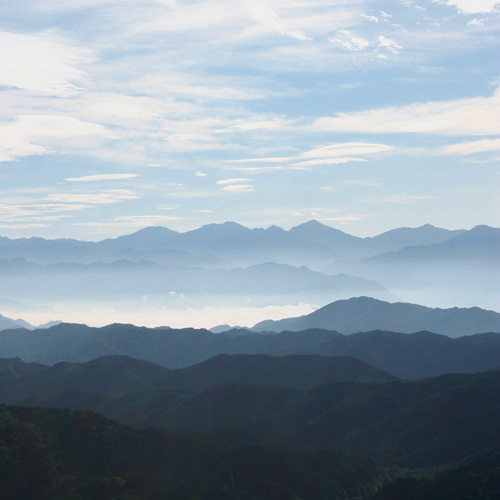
(477, 481)
(407, 424)
(48, 454)
(116, 375)
(417, 355)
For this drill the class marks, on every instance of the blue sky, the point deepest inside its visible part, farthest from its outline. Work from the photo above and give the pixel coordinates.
(365, 115)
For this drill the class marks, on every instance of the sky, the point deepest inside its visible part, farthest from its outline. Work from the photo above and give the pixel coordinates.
(365, 115)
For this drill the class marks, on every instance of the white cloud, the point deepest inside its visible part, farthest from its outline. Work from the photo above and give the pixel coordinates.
(278, 159)
(36, 212)
(469, 148)
(22, 226)
(239, 188)
(333, 154)
(44, 62)
(201, 174)
(389, 44)
(327, 161)
(476, 22)
(473, 116)
(261, 12)
(103, 198)
(474, 6)
(347, 148)
(41, 134)
(350, 42)
(373, 19)
(232, 181)
(168, 207)
(101, 177)
(132, 221)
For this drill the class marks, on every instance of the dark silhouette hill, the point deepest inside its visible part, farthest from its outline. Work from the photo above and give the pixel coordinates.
(49, 454)
(298, 371)
(477, 480)
(418, 355)
(421, 424)
(14, 369)
(364, 313)
(107, 376)
(116, 375)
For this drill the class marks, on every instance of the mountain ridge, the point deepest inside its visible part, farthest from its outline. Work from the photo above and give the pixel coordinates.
(359, 314)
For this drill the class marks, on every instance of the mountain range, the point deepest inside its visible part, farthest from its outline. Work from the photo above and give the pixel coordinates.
(312, 244)
(361, 314)
(233, 266)
(412, 424)
(124, 280)
(409, 356)
(113, 376)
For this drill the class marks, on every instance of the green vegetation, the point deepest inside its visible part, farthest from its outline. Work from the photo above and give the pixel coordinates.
(59, 454)
(478, 481)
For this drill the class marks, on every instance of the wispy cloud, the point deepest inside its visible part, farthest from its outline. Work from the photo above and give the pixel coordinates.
(232, 181)
(473, 147)
(238, 188)
(474, 116)
(46, 62)
(101, 177)
(103, 198)
(333, 154)
(132, 221)
(42, 134)
(473, 6)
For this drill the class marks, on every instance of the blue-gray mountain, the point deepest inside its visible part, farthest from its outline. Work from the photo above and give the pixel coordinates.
(361, 314)
(225, 245)
(8, 323)
(124, 280)
(464, 269)
(231, 265)
(414, 356)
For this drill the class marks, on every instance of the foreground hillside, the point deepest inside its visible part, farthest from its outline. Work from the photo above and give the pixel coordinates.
(406, 424)
(228, 428)
(479, 481)
(55, 454)
(417, 355)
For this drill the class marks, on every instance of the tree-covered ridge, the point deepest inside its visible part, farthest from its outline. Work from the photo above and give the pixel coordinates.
(417, 355)
(477, 481)
(116, 375)
(51, 454)
(404, 423)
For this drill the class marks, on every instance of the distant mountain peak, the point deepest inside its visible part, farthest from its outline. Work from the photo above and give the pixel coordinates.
(155, 230)
(363, 313)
